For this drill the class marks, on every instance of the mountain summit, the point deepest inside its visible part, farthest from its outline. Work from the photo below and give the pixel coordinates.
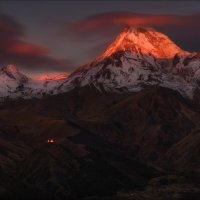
(139, 58)
(146, 41)
(12, 72)
(10, 68)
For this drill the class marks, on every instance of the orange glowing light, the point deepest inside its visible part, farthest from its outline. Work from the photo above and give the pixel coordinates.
(143, 40)
(24, 48)
(51, 141)
(51, 77)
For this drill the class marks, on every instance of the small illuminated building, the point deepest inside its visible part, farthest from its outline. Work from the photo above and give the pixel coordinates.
(51, 141)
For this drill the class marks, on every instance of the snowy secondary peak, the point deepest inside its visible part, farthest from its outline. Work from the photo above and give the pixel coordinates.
(14, 84)
(10, 68)
(145, 41)
(12, 72)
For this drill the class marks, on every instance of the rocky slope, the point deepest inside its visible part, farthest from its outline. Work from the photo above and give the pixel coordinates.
(107, 146)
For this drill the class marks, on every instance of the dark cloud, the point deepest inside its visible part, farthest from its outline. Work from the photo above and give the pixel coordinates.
(98, 49)
(9, 27)
(183, 29)
(29, 56)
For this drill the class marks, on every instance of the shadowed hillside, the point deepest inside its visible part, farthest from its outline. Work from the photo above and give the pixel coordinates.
(107, 146)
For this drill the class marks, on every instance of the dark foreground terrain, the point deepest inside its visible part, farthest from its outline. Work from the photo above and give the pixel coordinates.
(107, 146)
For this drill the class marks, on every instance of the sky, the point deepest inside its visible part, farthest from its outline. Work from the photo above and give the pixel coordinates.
(48, 37)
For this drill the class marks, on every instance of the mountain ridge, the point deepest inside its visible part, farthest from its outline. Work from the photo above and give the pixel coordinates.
(127, 68)
(15, 84)
(139, 57)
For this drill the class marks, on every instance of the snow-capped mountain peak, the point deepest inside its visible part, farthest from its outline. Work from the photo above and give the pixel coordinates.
(140, 57)
(14, 84)
(146, 41)
(10, 68)
(12, 72)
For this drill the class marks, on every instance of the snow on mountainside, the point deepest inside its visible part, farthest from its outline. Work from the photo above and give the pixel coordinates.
(10, 80)
(14, 84)
(137, 58)
(45, 84)
(144, 41)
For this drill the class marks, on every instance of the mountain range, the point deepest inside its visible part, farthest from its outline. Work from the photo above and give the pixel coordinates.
(137, 58)
(123, 127)
(15, 84)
